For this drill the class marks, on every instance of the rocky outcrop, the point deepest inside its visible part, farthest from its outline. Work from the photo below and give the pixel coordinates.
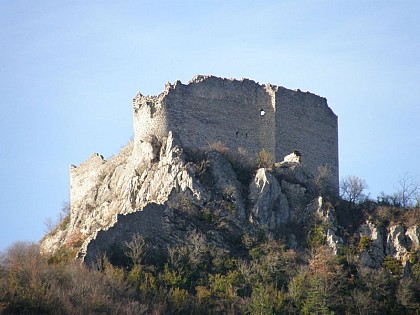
(396, 242)
(294, 157)
(374, 255)
(413, 234)
(225, 181)
(156, 190)
(124, 184)
(326, 214)
(269, 206)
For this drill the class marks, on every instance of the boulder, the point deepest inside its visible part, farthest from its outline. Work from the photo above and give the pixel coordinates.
(396, 243)
(269, 206)
(374, 256)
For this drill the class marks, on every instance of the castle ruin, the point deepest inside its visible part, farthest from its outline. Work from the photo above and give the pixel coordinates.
(242, 114)
(136, 190)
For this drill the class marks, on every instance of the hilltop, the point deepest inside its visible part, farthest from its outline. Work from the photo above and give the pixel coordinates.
(173, 224)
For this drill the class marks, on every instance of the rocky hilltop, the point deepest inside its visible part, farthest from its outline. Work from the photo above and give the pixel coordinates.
(169, 195)
(167, 192)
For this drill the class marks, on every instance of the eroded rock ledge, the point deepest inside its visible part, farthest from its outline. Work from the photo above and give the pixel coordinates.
(164, 194)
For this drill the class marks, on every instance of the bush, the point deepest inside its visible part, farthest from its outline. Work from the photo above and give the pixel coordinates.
(179, 299)
(317, 236)
(393, 265)
(364, 244)
(264, 159)
(218, 146)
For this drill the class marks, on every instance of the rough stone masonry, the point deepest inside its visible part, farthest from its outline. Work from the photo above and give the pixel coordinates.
(242, 114)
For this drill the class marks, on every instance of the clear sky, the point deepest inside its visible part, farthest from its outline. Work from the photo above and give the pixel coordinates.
(69, 70)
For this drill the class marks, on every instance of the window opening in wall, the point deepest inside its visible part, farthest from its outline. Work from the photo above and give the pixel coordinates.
(262, 112)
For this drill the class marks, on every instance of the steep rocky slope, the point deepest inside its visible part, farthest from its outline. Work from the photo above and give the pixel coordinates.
(164, 194)
(167, 195)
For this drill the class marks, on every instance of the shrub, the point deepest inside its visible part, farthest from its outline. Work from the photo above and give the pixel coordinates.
(75, 240)
(218, 146)
(265, 300)
(393, 265)
(222, 287)
(364, 244)
(317, 236)
(173, 278)
(208, 215)
(179, 300)
(264, 159)
(203, 294)
(62, 255)
(136, 248)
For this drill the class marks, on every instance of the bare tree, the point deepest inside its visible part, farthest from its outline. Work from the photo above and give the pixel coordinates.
(137, 247)
(352, 188)
(408, 191)
(51, 224)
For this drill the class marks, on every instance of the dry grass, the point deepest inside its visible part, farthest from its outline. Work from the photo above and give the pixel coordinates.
(218, 146)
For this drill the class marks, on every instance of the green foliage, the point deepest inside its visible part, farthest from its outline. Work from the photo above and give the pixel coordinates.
(179, 300)
(63, 255)
(221, 286)
(297, 289)
(316, 301)
(415, 263)
(174, 278)
(317, 236)
(393, 265)
(199, 278)
(208, 215)
(261, 302)
(365, 244)
(204, 296)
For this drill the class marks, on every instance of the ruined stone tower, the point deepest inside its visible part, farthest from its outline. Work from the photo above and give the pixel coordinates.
(242, 113)
(139, 189)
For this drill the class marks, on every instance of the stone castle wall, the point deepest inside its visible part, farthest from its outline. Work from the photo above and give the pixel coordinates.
(222, 110)
(207, 111)
(304, 122)
(210, 109)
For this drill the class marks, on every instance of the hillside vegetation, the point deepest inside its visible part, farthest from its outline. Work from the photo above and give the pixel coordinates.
(262, 242)
(262, 277)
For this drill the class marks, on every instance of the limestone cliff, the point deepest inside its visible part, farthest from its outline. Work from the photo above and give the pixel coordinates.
(395, 241)
(164, 193)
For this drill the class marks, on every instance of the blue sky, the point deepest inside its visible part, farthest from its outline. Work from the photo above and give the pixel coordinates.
(69, 69)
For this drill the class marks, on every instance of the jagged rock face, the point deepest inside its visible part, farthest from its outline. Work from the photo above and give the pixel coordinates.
(152, 189)
(292, 171)
(396, 242)
(269, 206)
(124, 184)
(225, 181)
(327, 215)
(274, 205)
(374, 256)
(413, 233)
